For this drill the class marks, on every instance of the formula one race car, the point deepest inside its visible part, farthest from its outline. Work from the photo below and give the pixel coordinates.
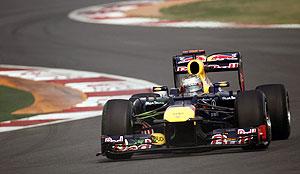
(197, 113)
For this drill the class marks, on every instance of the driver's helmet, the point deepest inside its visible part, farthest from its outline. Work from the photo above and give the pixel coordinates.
(192, 85)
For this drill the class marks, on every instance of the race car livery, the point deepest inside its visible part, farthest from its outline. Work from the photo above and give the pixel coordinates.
(177, 119)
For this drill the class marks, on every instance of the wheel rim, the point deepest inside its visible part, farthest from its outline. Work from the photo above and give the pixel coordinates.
(269, 126)
(288, 108)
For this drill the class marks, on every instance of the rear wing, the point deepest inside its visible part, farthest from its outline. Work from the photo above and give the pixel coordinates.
(217, 62)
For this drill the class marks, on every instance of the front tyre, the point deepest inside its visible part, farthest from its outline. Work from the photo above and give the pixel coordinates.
(117, 120)
(251, 111)
(279, 110)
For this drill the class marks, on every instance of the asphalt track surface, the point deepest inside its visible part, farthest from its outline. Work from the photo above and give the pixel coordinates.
(38, 32)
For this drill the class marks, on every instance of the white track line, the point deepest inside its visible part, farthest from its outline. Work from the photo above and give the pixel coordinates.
(115, 13)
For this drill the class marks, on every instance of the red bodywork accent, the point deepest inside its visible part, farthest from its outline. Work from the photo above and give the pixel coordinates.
(262, 133)
(202, 58)
(242, 81)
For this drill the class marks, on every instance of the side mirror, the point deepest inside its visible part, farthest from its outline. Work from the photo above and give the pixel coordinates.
(221, 84)
(161, 90)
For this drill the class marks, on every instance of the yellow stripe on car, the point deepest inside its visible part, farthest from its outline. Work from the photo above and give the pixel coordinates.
(179, 113)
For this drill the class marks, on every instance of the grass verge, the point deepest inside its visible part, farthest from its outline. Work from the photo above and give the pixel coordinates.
(239, 11)
(12, 99)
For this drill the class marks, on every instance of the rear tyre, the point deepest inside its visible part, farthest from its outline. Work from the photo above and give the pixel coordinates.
(279, 110)
(117, 120)
(251, 111)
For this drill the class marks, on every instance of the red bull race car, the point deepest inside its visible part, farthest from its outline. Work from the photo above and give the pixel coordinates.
(196, 114)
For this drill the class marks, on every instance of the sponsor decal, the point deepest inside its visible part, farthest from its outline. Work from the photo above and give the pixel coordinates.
(245, 139)
(193, 52)
(128, 142)
(111, 140)
(124, 148)
(230, 66)
(158, 139)
(139, 145)
(245, 132)
(202, 58)
(228, 98)
(221, 57)
(224, 139)
(219, 139)
(185, 59)
(154, 103)
(232, 136)
(181, 69)
(179, 113)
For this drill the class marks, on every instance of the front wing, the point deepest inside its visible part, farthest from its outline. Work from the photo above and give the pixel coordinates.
(217, 139)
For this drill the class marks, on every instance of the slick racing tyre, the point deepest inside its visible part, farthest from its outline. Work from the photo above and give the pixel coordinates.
(251, 111)
(117, 120)
(279, 110)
